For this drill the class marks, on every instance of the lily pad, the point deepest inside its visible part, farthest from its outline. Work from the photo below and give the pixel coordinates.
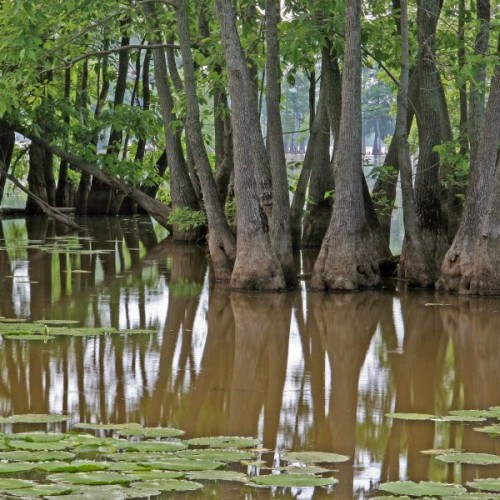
(292, 480)
(438, 451)
(151, 432)
(492, 430)
(106, 427)
(15, 467)
(33, 418)
(20, 444)
(130, 456)
(459, 418)
(225, 442)
(41, 490)
(218, 475)
(217, 455)
(490, 484)
(154, 446)
(38, 437)
(13, 484)
(89, 478)
(183, 464)
(490, 413)
(469, 458)
(424, 488)
(308, 469)
(113, 492)
(411, 416)
(39, 456)
(28, 337)
(473, 496)
(13, 320)
(169, 485)
(313, 457)
(57, 322)
(154, 475)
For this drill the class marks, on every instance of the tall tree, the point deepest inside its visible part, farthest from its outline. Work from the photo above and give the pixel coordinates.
(256, 264)
(351, 249)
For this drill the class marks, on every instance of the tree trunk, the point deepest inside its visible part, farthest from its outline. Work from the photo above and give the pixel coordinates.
(256, 265)
(181, 189)
(428, 178)
(100, 201)
(415, 265)
(7, 140)
(463, 257)
(348, 259)
(314, 152)
(62, 191)
(36, 178)
(221, 242)
(280, 223)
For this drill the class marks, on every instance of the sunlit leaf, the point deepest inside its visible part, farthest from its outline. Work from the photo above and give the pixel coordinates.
(424, 488)
(218, 475)
(106, 427)
(470, 458)
(41, 490)
(183, 464)
(410, 416)
(490, 484)
(151, 432)
(39, 456)
(169, 485)
(33, 418)
(292, 480)
(12, 484)
(225, 442)
(14, 467)
(217, 455)
(459, 418)
(38, 437)
(155, 475)
(154, 446)
(92, 478)
(313, 457)
(19, 444)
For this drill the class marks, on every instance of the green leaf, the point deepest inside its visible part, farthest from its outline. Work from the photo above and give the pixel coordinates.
(313, 457)
(33, 418)
(12, 484)
(20, 444)
(225, 442)
(39, 456)
(411, 416)
(424, 488)
(169, 485)
(38, 437)
(149, 475)
(41, 490)
(217, 455)
(151, 432)
(469, 458)
(92, 478)
(106, 427)
(490, 484)
(292, 480)
(218, 475)
(182, 464)
(15, 467)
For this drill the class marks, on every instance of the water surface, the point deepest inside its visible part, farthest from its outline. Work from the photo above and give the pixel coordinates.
(300, 370)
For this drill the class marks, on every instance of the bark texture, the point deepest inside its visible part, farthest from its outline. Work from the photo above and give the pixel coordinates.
(7, 139)
(221, 243)
(462, 257)
(280, 223)
(348, 259)
(256, 265)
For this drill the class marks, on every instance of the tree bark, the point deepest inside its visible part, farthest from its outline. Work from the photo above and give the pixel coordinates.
(475, 240)
(256, 265)
(428, 178)
(36, 178)
(280, 222)
(348, 259)
(7, 140)
(415, 265)
(62, 191)
(221, 243)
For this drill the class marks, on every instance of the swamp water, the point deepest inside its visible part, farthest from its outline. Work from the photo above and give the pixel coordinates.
(299, 371)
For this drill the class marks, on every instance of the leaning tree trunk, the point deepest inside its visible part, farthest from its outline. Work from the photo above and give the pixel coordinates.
(256, 265)
(221, 243)
(428, 179)
(474, 239)
(348, 259)
(280, 222)
(415, 265)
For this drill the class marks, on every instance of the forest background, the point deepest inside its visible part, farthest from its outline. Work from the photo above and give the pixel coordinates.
(175, 108)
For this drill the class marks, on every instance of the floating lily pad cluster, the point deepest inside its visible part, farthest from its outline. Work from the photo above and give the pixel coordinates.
(44, 330)
(116, 461)
(483, 488)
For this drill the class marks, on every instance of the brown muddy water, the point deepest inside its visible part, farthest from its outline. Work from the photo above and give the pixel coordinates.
(299, 370)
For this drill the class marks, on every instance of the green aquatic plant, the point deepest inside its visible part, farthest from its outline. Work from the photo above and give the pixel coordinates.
(217, 455)
(292, 480)
(95, 478)
(488, 484)
(313, 457)
(33, 418)
(422, 489)
(169, 485)
(411, 416)
(40, 491)
(469, 458)
(218, 475)
(150, 432)
(225, 442)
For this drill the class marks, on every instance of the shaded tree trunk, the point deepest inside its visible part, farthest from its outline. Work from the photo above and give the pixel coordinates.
(221, 243)
(256, 265)
(7, 140)
(348, 259)
(280, 222)
(428, 178)
(472, 253)
(415, 265)
(36, 178)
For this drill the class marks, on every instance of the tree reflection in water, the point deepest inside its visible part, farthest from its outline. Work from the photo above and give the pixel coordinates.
(303, 371)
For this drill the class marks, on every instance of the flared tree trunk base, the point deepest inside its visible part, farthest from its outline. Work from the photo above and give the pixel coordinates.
(485, 279)
(415, 268)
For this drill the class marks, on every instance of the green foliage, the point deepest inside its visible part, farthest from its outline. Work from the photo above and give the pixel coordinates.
(186, 219)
